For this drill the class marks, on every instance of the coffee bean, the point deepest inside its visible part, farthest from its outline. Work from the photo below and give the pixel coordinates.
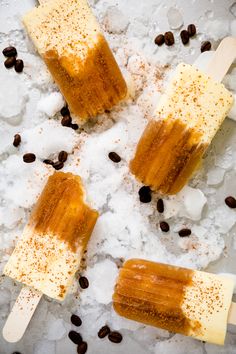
(76, 320)
(65, 111)
(74, 126)
(164, 226)
(115, 337)
(48, 162)
(169, 38)
(160, 39)
(66, 121)
(58, 165)
(160, 206)
(145, 195)
(75, 337)
(231, 202)
(28, 158)
(103, 332)
(192, 30)
(9, 62)
(17, 140)
(82, 348)
(184, 37)
(185, 232)
(62, 156)
(9, 52)
(83, 282)
(113, 156)
(19, 65)
(205, 46)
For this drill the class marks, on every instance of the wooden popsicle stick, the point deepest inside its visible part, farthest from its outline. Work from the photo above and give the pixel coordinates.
(21, 314)
(232, 314)
(222, 59)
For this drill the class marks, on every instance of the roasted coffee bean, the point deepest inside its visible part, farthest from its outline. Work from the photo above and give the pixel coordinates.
(103, 332)
(185, 232)
(115, 337)
(169, 38)
(62, 156)
(160, 206)
(192, 30)
(75, 337)
(145, 195)
(19, 65)
(164, 226)
(17, 140)
(159, 40)
(113, 156)
(66, 121)
(205, 46)
(28, 158)
(9, 62)
(184, 37)
(76, 320)
(231, 202)
(48, 162)
(9, 52)
(83, 282)
(74, 126)
(65, 111)
(58, 165)
(82, 348)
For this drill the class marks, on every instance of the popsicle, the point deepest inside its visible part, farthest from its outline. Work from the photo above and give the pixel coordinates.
(180, 300)
(48, 255)
(69, 39)
(187, 118)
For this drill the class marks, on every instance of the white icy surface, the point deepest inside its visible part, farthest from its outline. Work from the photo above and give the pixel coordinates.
(126, 228)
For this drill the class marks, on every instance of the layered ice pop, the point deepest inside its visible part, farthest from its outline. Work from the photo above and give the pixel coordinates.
(50, 250)
(187, 118)
(180, 300)
(69, 39)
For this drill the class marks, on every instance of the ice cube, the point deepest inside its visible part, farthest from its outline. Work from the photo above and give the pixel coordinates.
(217, 29)
(174, 18)
(194, 201)
(115, 21)
(12, 98)
(48, 138)
(51, 104)
(232, 9)
(102, 277)
(55, 328)
(215, 176)
(43, 347)
(225, 159)
(225, 218)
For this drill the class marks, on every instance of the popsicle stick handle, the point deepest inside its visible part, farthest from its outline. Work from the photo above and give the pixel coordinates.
(21, 314)
(232, 314)
(222, 59)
